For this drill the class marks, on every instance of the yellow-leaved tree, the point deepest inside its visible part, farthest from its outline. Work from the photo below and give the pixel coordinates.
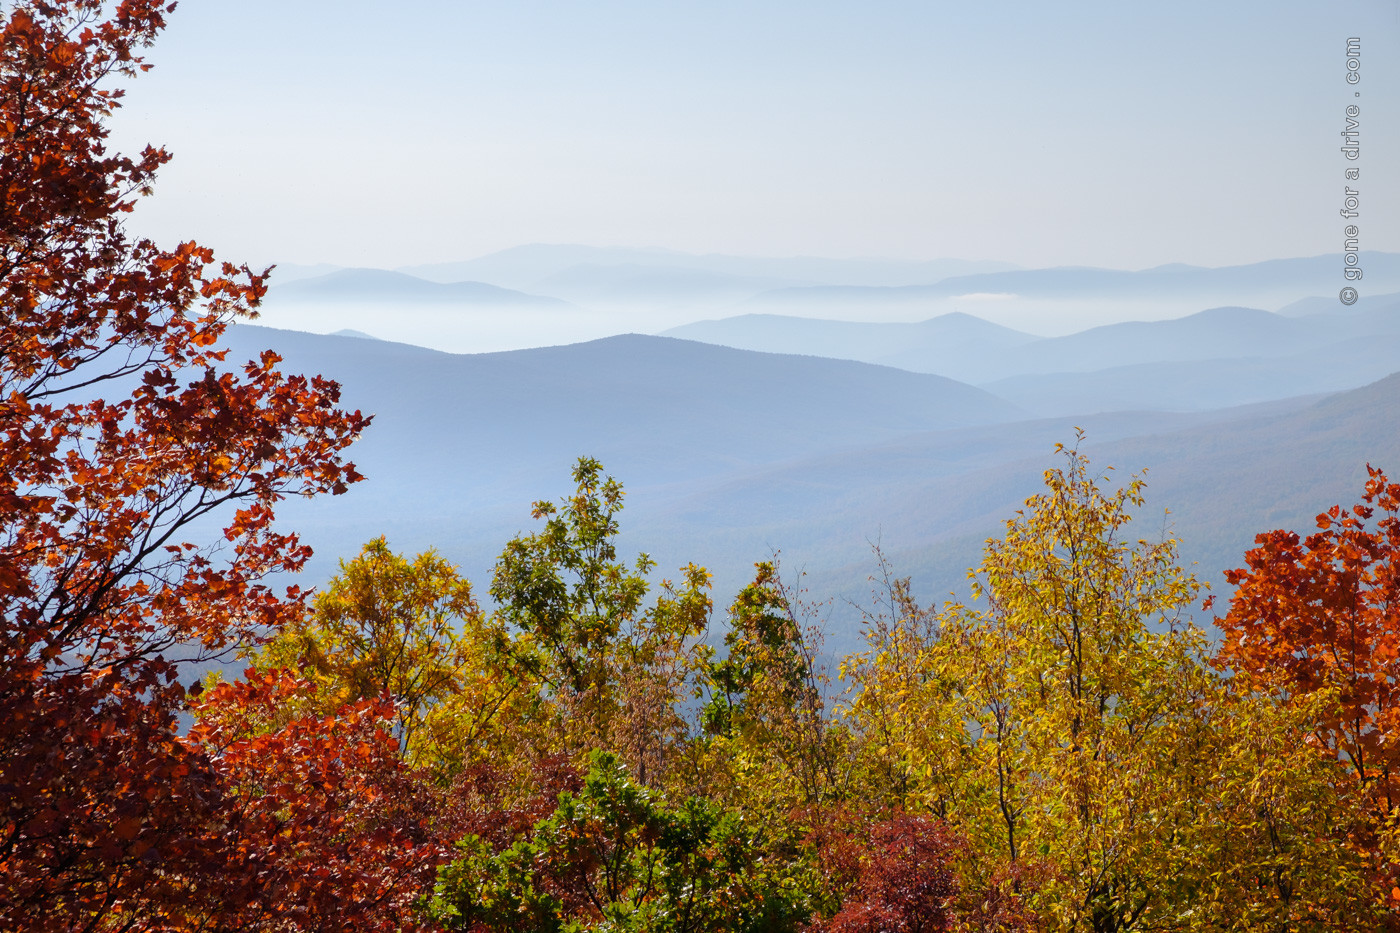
(1057, 724)
(413, 630)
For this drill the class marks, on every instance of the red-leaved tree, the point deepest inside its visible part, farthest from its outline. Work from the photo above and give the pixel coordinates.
(323, 825)
(1317, 620)
(1323, 613)
(121, 424)
(896, 874)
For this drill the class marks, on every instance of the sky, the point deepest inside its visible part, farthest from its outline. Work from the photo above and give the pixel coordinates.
(1110, 134)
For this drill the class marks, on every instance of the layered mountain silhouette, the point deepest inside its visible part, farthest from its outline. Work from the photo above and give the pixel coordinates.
(754, 431)
(526, 267)
(728, 455)
(668, 408)
(956, 345)
(381, 286)
(1215, 358)
(1284, 277)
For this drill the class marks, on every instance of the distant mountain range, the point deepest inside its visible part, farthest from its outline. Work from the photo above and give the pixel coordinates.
(956, 345)
(1222, 356)
(1279, 278)
(1306, 307)
(728, 454)
(526, 267)
(673, 408)
(1201, 385)
(558, 294)
(380, 286)
(1212, 359)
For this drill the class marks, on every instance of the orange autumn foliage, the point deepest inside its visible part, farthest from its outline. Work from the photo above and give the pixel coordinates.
(323, 826)
(1316, 621)
(122, 425)
(1322, 613)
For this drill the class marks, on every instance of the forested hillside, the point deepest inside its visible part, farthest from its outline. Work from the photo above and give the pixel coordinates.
(594, 732)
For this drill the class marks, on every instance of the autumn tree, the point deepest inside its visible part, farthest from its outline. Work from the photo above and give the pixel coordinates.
(611, 668)
(765, 648)
(901, 701)
(1050, 725)
(323, 826)
(121, 424)
(1267, 849)
(894, 876)
(768, 735)
(410, 630)
(1314, 625)
(615, 855)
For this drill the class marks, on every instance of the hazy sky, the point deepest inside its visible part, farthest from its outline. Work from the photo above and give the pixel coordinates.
(1114, 134)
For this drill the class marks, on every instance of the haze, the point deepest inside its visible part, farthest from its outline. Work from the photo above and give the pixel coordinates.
(1103, 134)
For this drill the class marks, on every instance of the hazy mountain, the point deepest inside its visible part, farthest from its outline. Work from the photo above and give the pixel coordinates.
(1196, 385)
(654, 285)
(1219, 333)
(932, 500)
(956, 345)
(1216, 485)
(379, 286)
(649, 291)
(1306, 307)
(670, 408)
(461, 444)
(1282, 278)
(524, 267)
(1212, 359)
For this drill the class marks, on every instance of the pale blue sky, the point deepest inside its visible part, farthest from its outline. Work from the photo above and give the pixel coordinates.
(1114, 134)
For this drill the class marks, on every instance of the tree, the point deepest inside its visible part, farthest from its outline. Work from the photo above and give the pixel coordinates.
(323, 826)
(767, 716)
(120, 426)
(615, 856)
(1314, 624)
(1086, 679)
(1050, 726)
(901, 881)
(612, 670)
(411, 630)
(1264, 852)
(765, 647)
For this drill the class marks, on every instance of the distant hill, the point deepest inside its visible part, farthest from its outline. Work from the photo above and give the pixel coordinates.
(1219, 333)
(1307, 307)
(1283, 278)
(525, 267)
(379, 286)
(1212, 359)
(956, 345)
(663, 407)
(932, 500)
(1197, 385)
